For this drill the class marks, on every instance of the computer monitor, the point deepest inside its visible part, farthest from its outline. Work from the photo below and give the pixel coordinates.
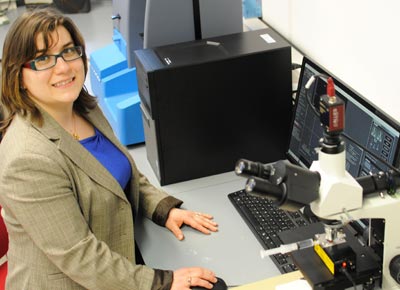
(364, 122)
(377, 135)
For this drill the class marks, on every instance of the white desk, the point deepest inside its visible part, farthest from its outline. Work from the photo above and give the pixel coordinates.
(232, 253)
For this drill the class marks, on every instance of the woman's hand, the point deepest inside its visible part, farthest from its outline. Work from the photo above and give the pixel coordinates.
(186, 278)
(199, 221)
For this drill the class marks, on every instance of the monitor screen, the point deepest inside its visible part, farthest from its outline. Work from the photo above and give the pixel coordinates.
(364, 122)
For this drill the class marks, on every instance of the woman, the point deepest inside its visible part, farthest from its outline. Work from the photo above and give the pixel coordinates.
(69, 190)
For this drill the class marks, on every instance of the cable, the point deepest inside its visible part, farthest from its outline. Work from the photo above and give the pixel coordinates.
(296, 66)
(308, 96)
(344, 271)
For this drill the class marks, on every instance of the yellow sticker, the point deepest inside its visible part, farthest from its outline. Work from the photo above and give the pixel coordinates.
(324, 257)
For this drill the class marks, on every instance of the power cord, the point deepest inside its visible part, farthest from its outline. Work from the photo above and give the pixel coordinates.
(294, 67)
(308, 85)
(348, 276)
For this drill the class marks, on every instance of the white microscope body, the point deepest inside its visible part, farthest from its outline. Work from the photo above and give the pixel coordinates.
(341, 198)
(332, 193)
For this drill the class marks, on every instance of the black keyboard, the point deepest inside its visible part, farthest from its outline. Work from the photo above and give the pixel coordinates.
(266, 221)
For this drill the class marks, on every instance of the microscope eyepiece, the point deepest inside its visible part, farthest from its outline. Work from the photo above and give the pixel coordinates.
(260, 187)
(250, 168)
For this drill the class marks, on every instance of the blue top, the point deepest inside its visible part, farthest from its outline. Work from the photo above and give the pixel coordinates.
(110, 156)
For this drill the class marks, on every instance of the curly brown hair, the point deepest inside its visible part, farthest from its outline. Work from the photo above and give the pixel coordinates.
(19, 48)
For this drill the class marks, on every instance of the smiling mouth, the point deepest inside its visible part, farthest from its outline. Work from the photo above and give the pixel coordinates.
(63, 83)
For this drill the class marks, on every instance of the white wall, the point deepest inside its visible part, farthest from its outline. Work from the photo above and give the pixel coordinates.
(357, 40)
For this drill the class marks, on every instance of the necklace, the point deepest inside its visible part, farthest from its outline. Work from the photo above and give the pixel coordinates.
(74, 134)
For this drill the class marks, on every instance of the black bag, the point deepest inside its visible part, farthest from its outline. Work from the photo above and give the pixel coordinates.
(73, 6)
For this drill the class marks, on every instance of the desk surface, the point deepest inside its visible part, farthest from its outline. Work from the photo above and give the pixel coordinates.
(232, 253)
(271, 283)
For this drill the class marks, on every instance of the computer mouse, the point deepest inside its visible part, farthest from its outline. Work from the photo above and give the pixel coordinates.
(219, 285)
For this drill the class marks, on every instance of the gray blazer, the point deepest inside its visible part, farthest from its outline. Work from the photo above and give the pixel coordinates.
(70, 224)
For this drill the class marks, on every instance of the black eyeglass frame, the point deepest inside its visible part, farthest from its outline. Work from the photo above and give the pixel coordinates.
(32, 64)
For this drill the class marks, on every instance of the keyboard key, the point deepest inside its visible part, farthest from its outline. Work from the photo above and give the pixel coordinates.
(265, 220)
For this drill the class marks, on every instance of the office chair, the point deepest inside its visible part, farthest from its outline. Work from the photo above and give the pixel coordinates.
(3, 251)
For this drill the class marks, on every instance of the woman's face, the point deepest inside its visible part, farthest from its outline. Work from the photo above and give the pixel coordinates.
(55, 89)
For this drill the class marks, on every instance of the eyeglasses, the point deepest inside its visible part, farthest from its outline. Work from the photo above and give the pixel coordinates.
(48, 61)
